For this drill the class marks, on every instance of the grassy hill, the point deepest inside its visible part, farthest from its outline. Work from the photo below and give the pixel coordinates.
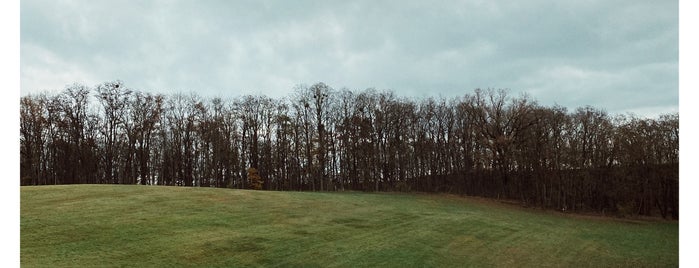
(108, 225)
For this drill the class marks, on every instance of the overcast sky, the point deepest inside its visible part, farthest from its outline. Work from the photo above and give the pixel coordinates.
(621, 56)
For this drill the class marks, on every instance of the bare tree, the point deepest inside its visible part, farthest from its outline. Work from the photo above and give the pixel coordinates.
(485, 144)
(32, 139)
(113, 96)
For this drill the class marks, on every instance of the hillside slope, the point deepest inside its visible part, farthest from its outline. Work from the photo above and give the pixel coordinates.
(120, 225)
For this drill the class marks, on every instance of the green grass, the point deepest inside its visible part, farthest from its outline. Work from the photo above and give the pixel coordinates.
(137, 226)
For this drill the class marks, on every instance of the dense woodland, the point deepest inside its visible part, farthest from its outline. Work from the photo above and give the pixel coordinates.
(486, 143)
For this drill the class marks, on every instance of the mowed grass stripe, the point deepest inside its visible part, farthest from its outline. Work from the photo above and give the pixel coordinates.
(130, 225)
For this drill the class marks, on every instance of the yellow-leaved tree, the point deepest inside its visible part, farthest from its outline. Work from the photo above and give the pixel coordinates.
(255, 179)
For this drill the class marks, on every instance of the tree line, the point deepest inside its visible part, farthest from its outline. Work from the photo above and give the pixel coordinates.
(486, 143)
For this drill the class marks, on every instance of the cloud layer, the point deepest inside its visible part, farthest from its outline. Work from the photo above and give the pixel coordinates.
(620, 56)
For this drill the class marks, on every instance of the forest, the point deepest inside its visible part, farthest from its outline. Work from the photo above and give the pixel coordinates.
(486, 143)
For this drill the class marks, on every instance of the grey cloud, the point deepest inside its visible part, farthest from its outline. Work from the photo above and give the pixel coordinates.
(571, 53)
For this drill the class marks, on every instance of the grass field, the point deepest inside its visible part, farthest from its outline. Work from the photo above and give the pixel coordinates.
(136, 226)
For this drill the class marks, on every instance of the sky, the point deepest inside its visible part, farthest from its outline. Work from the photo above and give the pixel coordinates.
(620, 56)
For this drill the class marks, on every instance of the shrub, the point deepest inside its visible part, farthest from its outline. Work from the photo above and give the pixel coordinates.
(255, 179)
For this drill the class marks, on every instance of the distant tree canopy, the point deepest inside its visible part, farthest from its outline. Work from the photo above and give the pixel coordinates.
(483, 144)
